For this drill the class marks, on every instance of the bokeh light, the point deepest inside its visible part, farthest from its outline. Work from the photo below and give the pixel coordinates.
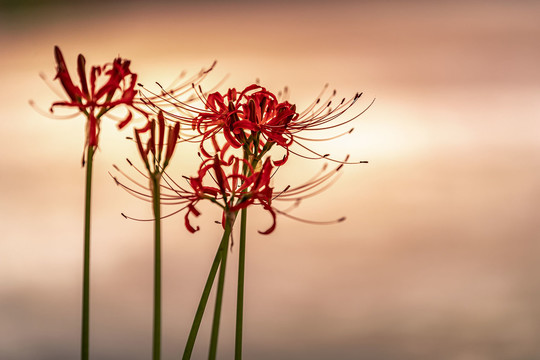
(439, 254)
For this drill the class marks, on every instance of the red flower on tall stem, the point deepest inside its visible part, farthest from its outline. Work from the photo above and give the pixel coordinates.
(104, 88)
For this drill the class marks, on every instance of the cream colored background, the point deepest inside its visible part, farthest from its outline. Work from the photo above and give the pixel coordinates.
(438, 258)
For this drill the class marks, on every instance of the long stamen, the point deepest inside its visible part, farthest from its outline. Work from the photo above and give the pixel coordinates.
(315, 222)
(51, 115)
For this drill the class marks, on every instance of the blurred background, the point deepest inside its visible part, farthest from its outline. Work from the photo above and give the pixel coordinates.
(438, 258)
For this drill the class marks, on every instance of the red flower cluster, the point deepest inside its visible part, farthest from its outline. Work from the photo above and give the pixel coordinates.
(224, 182)
(253, 119)
(92, 99)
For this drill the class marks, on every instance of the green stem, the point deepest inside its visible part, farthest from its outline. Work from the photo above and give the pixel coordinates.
(206, 293)
(85, 331)
(156, 197)
(219, 297)
(240, 293)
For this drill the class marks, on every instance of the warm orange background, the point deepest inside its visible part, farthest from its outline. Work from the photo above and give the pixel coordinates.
(438, 258)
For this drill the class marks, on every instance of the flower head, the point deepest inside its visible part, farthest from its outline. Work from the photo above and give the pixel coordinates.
(225, 183)
(102, 89)
(255, 119)
(155, 159)
(233, 184)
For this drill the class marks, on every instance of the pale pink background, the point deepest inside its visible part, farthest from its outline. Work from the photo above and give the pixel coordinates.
(438, 258)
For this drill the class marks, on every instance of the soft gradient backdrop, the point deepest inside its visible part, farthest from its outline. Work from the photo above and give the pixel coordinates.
(438, 258)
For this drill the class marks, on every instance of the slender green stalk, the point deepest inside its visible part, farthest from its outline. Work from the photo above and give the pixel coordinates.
(240, 293)
(85, 331)
(206, 293)
(156, 197)
(219, 298)
(241, 269)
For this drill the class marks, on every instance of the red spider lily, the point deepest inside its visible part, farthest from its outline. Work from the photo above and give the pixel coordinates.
(230, 188)
(152, 153)
(222, 114)
(92, 99)
(235, 191)
(253, 119)
(267, 120)
(266, 115)
(256, 120)
(223, 182)
(156, 154)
